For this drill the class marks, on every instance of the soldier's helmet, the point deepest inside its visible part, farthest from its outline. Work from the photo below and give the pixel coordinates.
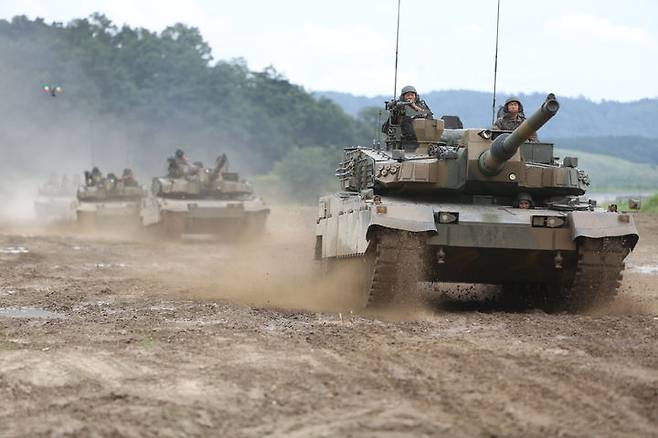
(180, 153)
(513, 99)
(408, 89)
(524, 196)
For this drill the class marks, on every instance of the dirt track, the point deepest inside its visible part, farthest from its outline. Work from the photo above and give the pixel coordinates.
(157, 339)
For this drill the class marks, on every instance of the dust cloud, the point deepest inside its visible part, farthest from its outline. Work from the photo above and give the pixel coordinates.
(67, 134)
(274, 269)
(277, 269)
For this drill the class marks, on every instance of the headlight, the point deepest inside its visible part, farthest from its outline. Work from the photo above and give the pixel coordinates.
(548, 221)
(445, 217)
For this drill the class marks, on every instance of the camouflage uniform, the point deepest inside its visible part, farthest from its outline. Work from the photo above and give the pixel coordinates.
(180, 166)
(424, 111)
(176, 168)
(128, 178)
(405, 116)
(93, 178)
(509, 122)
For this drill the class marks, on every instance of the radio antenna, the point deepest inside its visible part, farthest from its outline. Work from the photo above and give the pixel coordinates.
(377, 140)
(493, 106)
(397, 44)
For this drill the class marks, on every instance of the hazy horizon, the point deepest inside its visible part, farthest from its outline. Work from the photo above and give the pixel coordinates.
(590, 48)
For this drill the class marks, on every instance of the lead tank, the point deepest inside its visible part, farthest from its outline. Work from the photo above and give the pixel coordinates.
(109, 200)
(204, 201)
(444, 208)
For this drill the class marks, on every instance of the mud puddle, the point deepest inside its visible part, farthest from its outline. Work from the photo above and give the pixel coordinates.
(14, 250)
(29, 313)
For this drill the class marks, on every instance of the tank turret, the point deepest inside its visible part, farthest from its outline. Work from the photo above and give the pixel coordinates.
(107, 200)
(197, 200)
(99, 188)
(447, 161)
(492, 161)
(194, 181)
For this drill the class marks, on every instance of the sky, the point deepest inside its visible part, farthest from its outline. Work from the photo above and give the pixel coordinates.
(600, 49)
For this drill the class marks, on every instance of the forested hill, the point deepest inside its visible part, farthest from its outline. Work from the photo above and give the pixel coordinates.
(630, 148)
(578, 117)
(131, 96)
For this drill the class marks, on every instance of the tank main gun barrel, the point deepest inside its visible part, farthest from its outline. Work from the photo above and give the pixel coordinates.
(220, 164)
(504, 147)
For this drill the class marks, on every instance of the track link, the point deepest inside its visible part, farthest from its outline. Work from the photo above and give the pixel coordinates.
(400, 262)
(598, 273)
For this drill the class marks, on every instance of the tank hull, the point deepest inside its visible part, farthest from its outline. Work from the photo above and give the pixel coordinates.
(55, 208)
(204, 217)
(468, 243)
(108, 214)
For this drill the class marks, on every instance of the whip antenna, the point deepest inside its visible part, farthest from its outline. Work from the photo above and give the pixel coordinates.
(493, 106)
(397, 44)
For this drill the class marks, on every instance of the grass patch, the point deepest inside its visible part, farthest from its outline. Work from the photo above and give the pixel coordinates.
(650, 205)
(146, 343)
(8, 346)
(613, 174)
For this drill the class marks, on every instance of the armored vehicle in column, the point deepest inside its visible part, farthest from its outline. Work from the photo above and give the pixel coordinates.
(56, 200)
(109, 200)
(473, 206)
(193, 200)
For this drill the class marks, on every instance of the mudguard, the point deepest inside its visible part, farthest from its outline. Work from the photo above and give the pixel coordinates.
(405, 217)
(598, 225)
(346, 222)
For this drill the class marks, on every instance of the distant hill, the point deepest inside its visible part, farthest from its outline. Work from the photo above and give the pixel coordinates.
(578, 117)
(614, 174)
(631, 148)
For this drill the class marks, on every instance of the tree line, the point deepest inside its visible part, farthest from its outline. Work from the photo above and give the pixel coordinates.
(132, 94)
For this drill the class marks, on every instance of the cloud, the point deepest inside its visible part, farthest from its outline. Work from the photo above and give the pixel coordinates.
(601, 30)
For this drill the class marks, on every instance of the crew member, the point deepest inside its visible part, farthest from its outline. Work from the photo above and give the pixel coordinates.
(511, 116)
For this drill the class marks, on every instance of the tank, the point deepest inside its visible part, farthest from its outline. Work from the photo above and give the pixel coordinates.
(473, 206)
(207, 202)
(109, 200)
(56, 200)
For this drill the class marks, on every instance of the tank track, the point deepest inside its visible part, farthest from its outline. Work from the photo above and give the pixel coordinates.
(594, 280)
(399, 264)
(400, 259)
(598, 273)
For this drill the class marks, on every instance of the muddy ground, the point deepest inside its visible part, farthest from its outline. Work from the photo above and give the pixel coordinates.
(115, 335)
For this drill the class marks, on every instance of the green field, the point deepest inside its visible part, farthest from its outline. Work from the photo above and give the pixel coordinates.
(650, 205)
(609, 173)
